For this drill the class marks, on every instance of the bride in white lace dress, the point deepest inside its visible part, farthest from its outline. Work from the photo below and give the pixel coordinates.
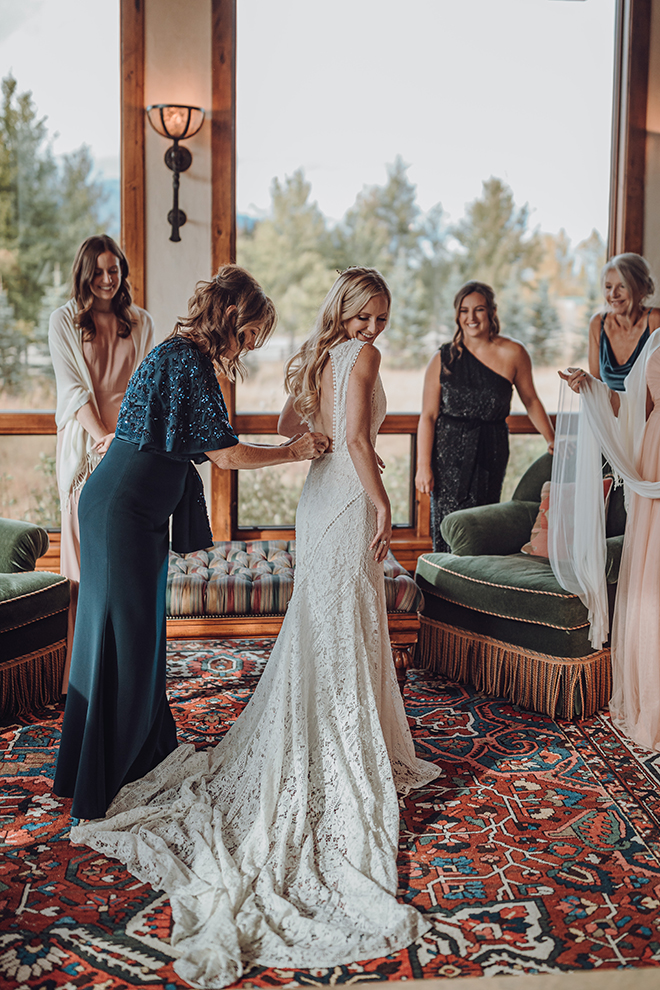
(278, 846)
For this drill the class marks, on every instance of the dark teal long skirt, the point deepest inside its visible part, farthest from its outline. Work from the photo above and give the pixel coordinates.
(117, 722)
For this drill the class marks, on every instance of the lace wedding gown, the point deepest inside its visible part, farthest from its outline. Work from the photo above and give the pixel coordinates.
(278, 847)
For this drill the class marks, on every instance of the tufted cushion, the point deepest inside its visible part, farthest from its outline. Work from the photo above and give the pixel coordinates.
(256, 578)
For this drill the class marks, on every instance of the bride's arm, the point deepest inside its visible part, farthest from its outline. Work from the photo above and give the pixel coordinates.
(289, 424)
(358, 438)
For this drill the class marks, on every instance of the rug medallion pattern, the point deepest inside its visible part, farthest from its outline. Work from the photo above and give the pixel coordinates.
(537, 851)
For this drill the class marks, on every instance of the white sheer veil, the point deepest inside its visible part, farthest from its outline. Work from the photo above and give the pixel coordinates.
(587, 428)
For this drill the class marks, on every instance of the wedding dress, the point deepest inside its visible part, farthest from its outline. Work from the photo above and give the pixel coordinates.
(278, 847)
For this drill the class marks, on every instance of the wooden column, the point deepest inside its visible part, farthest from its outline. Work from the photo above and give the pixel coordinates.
(631, 69)
(224, 484)
(132, 143)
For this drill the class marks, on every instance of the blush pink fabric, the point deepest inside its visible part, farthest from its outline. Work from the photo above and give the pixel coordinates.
(538, 540)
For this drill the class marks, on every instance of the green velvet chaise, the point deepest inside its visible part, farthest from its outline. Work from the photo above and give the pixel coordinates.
(33, 621)
(497, 618)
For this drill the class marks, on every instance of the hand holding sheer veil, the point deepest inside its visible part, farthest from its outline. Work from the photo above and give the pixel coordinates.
(587, 427)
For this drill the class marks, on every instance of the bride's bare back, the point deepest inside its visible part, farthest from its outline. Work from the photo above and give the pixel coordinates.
(324, 417)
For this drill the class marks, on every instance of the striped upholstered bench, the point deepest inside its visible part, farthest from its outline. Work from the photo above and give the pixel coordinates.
(243, 589)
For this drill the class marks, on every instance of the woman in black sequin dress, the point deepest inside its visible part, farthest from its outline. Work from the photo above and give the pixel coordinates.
(117, 722)
(462, 438)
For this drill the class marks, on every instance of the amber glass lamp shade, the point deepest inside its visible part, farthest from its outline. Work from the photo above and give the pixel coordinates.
(174, 121)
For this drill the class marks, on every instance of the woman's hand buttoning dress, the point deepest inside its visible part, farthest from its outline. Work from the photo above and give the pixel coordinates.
(96, 342)
(117, 722)
(278, 847)
(618, 334)
(462, 437)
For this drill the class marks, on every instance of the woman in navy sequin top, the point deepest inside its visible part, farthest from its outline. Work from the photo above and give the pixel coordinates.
(117, 722)
(618, 334)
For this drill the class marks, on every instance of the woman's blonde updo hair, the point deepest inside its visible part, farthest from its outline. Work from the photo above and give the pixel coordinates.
(635, 275)
(214, 329)
(491, 309)
(348, 296)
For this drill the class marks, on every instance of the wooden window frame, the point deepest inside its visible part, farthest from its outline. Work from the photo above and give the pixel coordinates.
(632, 39)
(626, 221)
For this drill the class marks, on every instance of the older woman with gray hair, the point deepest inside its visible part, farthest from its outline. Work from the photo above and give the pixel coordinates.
(618, 332)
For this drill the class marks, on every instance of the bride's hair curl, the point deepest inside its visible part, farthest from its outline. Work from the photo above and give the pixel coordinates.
(350, 293)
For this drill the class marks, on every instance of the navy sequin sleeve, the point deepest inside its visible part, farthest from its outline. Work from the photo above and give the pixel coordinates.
(173, 404)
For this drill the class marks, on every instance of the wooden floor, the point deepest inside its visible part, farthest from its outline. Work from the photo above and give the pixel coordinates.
(609, 979)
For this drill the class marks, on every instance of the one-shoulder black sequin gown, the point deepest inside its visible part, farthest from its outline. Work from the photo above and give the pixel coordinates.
(471, 447)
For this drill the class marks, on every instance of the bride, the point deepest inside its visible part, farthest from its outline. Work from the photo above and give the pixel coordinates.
(278, 846)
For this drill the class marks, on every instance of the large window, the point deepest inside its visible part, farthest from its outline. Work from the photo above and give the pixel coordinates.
(59, 183)
(444, 142)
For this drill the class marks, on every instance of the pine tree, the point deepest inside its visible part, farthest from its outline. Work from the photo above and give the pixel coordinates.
(12, 346)
(288, 253)
(407, 333)
(46, 209)
(546, 332)
(496, 244)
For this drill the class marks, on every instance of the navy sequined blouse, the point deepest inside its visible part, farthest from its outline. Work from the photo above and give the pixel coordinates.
(173, 404)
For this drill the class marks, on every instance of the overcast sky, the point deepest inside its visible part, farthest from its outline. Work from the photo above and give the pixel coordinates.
(462, 89)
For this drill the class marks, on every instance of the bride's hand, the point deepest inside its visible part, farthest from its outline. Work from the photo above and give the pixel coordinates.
(575, 378)
(381, 541)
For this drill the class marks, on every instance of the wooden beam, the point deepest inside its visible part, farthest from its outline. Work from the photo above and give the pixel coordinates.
(133, 239)
(27, 424)
(224, 484)
(628, 170)
(223, 132)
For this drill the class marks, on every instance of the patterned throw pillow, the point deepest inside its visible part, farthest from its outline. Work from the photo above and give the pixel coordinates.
(538, 540)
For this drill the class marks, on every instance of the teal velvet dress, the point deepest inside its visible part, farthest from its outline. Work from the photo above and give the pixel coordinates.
(117, 722)
(613, 374)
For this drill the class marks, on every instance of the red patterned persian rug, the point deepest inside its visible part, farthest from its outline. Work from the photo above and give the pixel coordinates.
(537, 851)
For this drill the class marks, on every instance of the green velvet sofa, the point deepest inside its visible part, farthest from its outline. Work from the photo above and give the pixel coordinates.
(33, 621)
(496, 618)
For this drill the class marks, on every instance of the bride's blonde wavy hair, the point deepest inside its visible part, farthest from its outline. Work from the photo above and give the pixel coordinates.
(348, 296)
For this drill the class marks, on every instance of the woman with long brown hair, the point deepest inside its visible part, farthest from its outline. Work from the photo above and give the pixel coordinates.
(117, 722)
(96, 342)
(462, 437)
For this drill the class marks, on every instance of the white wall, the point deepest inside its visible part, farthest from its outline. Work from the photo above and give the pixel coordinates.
(177, 70)
(652, 196)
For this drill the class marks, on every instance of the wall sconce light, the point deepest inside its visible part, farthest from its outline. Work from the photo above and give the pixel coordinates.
(176, 123)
